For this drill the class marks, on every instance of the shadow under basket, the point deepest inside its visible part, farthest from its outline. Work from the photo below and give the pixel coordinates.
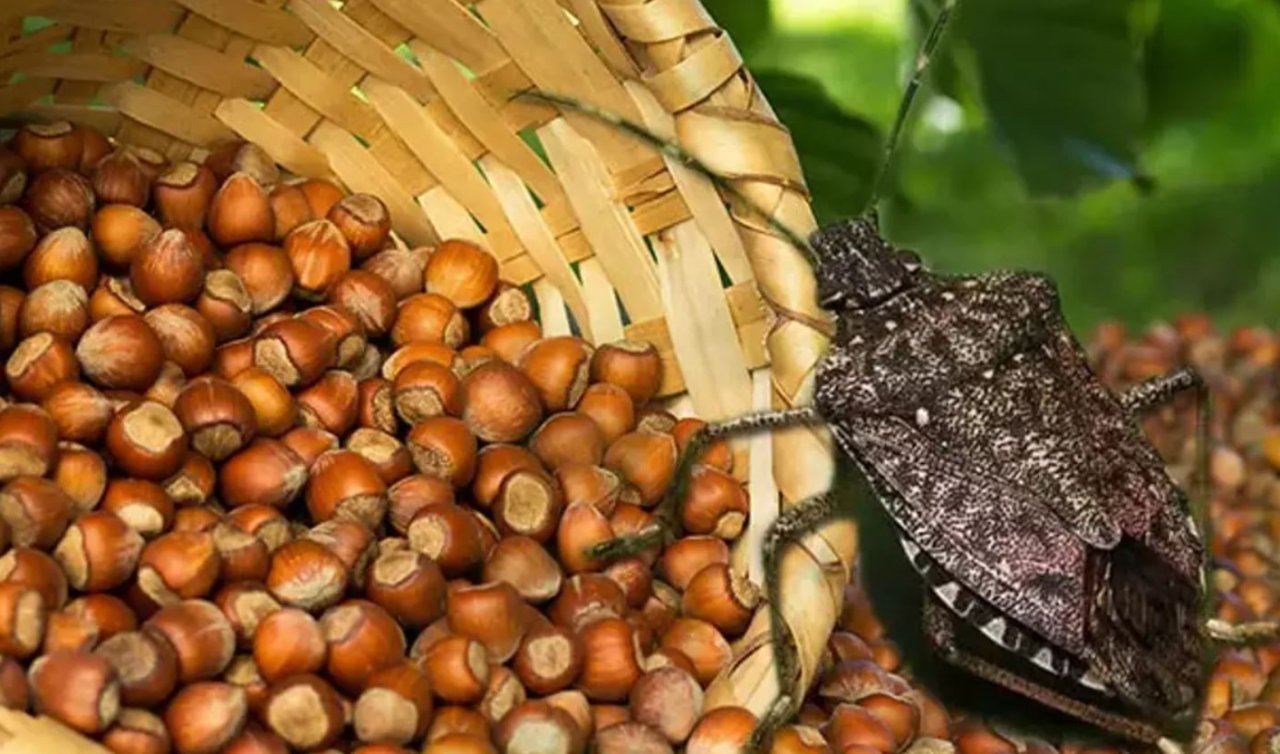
(415, 101)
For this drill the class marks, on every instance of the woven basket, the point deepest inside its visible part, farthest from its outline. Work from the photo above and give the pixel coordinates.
(412, 100)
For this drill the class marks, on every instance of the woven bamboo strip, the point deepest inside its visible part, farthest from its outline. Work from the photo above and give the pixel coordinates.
(335, 98)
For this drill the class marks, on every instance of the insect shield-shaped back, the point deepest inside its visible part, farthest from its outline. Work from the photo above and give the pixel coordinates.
(856, 267)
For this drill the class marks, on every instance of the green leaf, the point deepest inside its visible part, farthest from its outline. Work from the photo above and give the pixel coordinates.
(1062, 82)
(839, 152)
(747, 21)
(1197, 58)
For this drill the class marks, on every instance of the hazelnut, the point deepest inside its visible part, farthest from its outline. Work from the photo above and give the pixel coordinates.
(23, 617)
(306, 575)
(494, 464)
(265, 271)
(717, 455)
(500, 404)
(274, 406)
(144, 663)
(33, 568)
(722, 729)
(137, 731)
(462, 272)
(646, 461)
(243, 157)
(66, 631)
(82, 474)
(493, 614)
(408, 585)
(288, 642)
(13, 176)
(58, 307)
(635, 577)
(567, 438)
(415, 352)
(582, 527)
(186, 337)
(121, 352)
(457, 720)
(425, 389)
(318, 255)
(38, 364)
(43, 146)
(243, 672)
(99, 551)
(721, 597)
(429, 318)
(295, 351)
(200, 635)
(147, 440)
(402, 270)
(305, 711)
(290, 208)
(167, 270)
(35, 510)
(508, 305)
(345, 328)
(64, 254)
(630, 737)
(120, 179)
(367, 296)
(685, 558)
(559, 368)
(321, 195)
(631, 365)
(592, 485)
(587, 597)
(309, 444)
(96, 147)
(142, 504)
(266, 472)
(536, 726)
(363, 639)
(28, 441)
(548, 659)
(17, 236)
(669, 700)
(217, 417)
(363, 221)
(196, 518)
(344, 484)
(80, 412)
(387, 454)
(78, 689)
(395, 706)
(449, 535)
(163, 391)
(352, 542)
(256, 740)
(262, 521)
(528, 503)
(225, 304)
(509, 341)
(445, 447)
(457, 668)
(121, 231)
(412, 494)
(59, 198)
(611, 660)
(240, 212)
(183, 193)
(205, 716)
(245, 604)
(705, 647)
(113, 296)
(851, 725)
(331, 403)
(523, 563)
(179, 565)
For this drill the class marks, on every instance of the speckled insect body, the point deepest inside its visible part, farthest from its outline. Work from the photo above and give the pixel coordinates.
(1061, 559)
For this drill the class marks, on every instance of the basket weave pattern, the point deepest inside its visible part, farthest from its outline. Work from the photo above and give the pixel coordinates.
(612, 237)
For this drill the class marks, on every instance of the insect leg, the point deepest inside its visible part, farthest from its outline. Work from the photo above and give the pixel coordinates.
(794, 523)
(1249, 634)
(1158, 390)
(667, 514)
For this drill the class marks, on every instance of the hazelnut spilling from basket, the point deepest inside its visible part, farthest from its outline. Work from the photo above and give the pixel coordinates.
(270, 481)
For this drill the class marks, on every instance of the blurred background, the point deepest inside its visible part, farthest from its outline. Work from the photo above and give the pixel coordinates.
(1130, 148)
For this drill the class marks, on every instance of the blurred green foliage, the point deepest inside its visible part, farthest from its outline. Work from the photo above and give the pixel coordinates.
(1129, 148)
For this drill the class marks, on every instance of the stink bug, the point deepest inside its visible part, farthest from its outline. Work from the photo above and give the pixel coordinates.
(1059, 559)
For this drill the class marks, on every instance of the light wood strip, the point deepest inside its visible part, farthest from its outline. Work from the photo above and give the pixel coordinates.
(698, 194)
(659, 20)
(72, 66)
(130, 16)
(256, 21)
(738, 145)
(538, 239)
(104, 119)
(163, 112)
(361, 172)
(450, 219)
(318, 90)
(202, 66)
(552, 314)
(603, 38)
(18, 97)
(435, 150)
(529, 29)
(449, 28)
(605, 222)
(283, 145)
(39, 41)
(353, 41)
(695, 78)
(485, 124)
(601, 301)
(762, 490)
(704, 340)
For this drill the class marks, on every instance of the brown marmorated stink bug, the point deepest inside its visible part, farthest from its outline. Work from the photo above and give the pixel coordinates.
(1059, 558)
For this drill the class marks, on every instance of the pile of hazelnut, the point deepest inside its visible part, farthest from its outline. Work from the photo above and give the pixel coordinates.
(271, 481)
